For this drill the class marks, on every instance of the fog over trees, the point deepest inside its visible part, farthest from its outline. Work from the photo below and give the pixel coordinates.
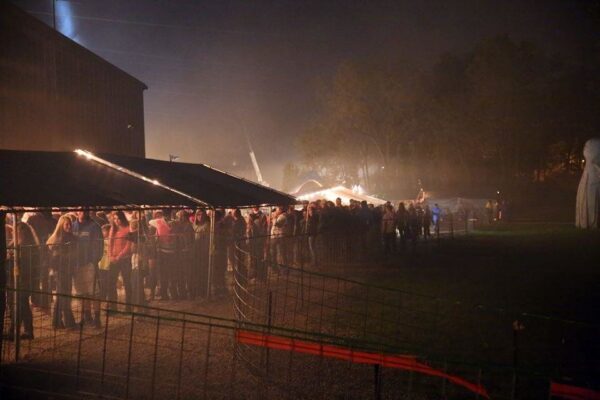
(503, 115)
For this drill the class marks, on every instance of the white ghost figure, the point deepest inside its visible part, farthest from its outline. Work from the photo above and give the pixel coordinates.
(587, 210)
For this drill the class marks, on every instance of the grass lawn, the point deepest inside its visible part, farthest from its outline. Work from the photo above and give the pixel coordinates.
(513, 271)
(541, 268)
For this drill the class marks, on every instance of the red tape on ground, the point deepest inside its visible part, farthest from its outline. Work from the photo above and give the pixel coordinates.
(572, 392)
(401, 362)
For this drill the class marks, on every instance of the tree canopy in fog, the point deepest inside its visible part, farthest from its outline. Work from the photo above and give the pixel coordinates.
(504, 114)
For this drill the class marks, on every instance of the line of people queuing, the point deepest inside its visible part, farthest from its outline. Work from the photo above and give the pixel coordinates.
(164, 254)
(345, 232)
(409, 223)
(153, 255)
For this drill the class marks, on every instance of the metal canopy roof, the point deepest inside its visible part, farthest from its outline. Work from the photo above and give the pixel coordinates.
(212, 186)
(66, 180)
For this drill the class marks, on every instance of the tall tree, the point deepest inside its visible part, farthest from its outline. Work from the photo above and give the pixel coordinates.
(503, 114)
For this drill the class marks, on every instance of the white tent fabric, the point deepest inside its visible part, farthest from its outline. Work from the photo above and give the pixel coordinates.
(587, 209)
(343, 193)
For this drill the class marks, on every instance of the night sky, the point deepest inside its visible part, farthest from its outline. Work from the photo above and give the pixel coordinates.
(220, 70)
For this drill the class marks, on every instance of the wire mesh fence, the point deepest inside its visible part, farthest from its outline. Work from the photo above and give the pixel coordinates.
(155, 353)
(143, 353)
(297, 332)
(298, 296)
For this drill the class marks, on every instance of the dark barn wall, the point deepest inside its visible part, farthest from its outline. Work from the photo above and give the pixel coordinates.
(55, 95)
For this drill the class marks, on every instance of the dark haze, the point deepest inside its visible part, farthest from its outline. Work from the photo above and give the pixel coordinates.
(220, 70)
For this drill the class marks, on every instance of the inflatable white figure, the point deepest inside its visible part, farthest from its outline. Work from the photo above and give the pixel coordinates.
(587, 210)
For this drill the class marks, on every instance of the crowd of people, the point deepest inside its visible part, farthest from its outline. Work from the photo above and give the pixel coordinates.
(164, 254)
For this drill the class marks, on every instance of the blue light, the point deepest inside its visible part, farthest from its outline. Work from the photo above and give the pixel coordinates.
(64, 19)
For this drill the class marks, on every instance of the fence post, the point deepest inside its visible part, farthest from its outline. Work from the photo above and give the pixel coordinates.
(444, 380)
(181, 359)
(335, 308)
(350, 363)
(127, 378)
(410, 382)
(398, 310)
(270, 310)
(321, 380)
(289, 374)
(285, 296)
(478, 382)
(436, 318)
(2, 280)
(233, 378)
(205, 389)
(377, 382)
(513, 392)
(306, 322)
(302, 284)
(16, 306)
(103, 349)
(79, 350)
(269, 320)
(517, 328)
(366, 314)
(211, 254)
(233, 373)
(155, 356)
(322, 304)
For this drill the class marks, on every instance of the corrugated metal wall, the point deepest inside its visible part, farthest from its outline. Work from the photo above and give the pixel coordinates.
(56, 95)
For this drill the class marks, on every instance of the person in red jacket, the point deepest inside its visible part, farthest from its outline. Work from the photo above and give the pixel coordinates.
(119, 251)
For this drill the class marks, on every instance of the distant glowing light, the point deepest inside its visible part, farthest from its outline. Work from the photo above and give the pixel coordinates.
(65, 20)
(155, 182)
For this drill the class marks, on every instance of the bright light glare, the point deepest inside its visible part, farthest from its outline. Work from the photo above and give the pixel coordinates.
(84, 153)
(156, 182)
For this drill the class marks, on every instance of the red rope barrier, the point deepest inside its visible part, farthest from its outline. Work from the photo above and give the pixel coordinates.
(404, 362)
(572, 392)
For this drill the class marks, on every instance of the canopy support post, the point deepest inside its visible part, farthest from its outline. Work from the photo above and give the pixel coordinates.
(2, 279)
(211, 252)
(16, 317)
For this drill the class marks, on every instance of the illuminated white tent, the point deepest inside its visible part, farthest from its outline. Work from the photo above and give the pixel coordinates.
(344, 193)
